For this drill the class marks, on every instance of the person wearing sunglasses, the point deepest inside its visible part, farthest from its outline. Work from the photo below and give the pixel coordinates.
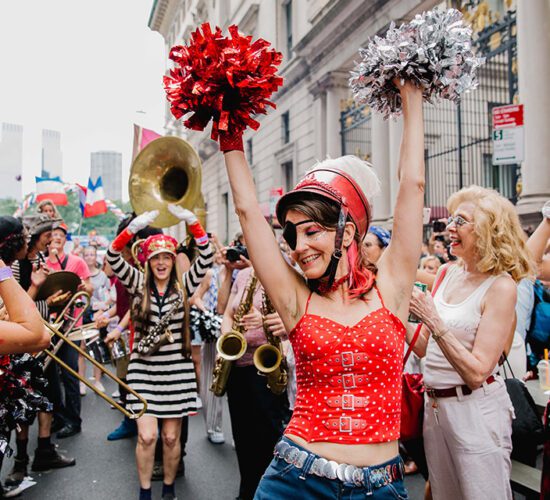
(344, 315)
(467, 326)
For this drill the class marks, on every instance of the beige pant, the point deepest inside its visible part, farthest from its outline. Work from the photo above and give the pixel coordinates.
(468, 445)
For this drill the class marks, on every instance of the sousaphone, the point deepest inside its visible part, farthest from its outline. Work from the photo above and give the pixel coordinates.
(166, 171)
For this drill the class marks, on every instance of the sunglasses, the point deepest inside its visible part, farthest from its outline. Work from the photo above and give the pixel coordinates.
(458, 221)
(290, 234)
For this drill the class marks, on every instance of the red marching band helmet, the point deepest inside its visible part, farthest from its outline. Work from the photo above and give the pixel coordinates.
(334, 184)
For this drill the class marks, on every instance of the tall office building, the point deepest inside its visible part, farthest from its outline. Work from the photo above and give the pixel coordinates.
(52, 158)
(11, 161)
(108, 165)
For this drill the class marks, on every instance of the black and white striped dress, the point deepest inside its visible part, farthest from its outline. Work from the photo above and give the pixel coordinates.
(165, 379)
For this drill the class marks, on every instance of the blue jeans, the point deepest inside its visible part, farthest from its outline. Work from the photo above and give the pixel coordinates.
(282, 480)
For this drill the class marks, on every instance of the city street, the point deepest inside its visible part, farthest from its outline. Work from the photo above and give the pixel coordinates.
(106, 470)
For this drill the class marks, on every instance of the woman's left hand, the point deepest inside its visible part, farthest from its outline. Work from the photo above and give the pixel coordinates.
(423, 307)
(252, 320)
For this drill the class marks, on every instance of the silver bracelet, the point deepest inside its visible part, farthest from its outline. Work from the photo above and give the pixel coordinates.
(437, 337)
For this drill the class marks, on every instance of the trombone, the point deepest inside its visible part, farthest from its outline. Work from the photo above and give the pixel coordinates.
(52, 354)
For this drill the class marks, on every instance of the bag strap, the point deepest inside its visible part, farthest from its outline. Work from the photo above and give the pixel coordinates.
(419, 327)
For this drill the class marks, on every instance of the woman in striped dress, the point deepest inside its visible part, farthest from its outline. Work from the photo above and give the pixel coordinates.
(166, 377)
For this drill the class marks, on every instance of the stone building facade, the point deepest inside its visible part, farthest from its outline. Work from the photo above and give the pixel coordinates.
(319, 40)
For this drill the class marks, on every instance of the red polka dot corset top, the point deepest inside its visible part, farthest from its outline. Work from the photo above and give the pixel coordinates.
(348, 379)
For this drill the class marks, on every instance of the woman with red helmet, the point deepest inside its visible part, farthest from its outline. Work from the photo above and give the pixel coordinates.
(345, 318)
(161, 368)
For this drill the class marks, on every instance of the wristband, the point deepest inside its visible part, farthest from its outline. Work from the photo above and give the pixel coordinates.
(231, 142)
(198, 233)
(119, 328)
(5, 273)
(122, 240)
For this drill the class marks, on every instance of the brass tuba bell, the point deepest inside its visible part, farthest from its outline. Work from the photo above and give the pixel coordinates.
(166, 171)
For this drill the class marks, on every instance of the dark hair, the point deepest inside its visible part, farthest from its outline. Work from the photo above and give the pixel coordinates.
(325, 212)
(11, 247)
(12, 238)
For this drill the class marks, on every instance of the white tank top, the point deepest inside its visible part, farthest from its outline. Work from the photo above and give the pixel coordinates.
(462, 319)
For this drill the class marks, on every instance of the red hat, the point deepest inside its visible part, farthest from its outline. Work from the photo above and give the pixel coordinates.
(59, 224)
(158, 243)
(337, 185)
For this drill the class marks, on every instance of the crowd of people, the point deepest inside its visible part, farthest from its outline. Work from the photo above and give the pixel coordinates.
(332, 292)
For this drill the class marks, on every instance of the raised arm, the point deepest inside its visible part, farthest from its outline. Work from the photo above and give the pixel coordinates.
(397, 267)
(538, 241)
(198, 269)
(25, 331)
(195, 274)
(284, 286)
(128, 275)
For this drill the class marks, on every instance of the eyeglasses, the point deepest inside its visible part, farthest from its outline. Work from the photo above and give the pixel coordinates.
(312, 233)
(458, 220)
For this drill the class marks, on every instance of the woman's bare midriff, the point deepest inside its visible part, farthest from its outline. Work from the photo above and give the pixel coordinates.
(361, 455)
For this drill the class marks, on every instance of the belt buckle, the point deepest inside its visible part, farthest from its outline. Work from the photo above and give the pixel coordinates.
(430, 391)
(346, 363)
(348, 402)
(347, 376)
(347, 426)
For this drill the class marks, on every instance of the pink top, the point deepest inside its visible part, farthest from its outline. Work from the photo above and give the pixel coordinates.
(75, 264)
(348, 378)
(254, 337)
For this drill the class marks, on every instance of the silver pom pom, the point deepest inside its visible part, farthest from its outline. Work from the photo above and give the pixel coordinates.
(434, 51)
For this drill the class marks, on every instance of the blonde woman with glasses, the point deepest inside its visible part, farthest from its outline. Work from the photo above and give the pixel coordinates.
(467, 326)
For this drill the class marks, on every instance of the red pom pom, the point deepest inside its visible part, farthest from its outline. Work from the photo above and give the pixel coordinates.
(226, 79)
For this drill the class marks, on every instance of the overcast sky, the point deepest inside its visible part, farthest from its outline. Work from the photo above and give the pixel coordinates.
(88, 69)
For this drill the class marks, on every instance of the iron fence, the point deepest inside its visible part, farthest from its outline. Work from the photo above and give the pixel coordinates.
(458, 138)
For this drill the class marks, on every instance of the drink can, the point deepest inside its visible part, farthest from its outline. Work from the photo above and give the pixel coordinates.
(423, 287)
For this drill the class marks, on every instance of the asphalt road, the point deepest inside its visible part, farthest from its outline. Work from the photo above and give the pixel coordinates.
(106, 470)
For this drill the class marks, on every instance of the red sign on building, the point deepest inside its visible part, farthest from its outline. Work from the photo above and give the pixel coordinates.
(508, 116)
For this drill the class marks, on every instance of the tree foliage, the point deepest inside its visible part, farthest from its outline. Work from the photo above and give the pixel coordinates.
(104, 225)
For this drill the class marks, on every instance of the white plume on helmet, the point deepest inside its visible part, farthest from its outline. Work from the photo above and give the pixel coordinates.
(362, 172)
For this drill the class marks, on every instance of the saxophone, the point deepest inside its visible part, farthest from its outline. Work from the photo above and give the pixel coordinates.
(232, 345)
(268, 358)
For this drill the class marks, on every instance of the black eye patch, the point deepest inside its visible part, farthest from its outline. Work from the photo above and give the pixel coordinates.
(290, 234)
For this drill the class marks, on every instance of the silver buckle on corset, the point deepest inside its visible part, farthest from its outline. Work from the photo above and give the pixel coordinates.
(348, 381)
(345, 424)
(345, 356)
(348, 402)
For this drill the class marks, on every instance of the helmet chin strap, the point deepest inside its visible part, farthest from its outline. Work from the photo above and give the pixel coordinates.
(337, 254)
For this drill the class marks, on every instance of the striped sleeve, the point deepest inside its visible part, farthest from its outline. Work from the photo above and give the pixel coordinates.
(128, 275)
(15, 269)
(193, 277)
(43, 309)
(41, 305)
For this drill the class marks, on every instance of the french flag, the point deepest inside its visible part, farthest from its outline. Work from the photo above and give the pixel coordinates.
(81, 191)
(95, 199)
(51, 189)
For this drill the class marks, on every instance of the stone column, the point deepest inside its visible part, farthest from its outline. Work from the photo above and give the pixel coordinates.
(320, 134)
(380, 136)
(533, 25)
(337, 90)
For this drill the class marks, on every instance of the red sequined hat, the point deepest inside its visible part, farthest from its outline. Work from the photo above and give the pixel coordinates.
(158, 243)
(336, 185)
